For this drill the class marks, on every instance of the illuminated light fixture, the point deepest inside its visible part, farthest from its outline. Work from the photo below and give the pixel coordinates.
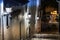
(37, 18)
(20, 17)
(8, 10)
(54, 12)
(29, 16)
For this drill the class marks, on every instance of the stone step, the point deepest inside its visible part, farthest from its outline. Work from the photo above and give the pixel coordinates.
(42, 39)
(48, 36)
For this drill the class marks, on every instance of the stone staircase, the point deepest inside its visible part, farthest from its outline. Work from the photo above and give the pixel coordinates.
(46, 37)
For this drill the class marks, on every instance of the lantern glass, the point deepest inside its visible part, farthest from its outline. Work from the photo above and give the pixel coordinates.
(8, 10)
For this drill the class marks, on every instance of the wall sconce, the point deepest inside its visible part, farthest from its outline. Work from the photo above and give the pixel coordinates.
(8, 10)
(29, 15)
(20, 17)
(7, 13)
(37, 18)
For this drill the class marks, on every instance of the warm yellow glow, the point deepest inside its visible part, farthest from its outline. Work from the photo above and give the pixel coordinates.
(53, 17)
(54, 12)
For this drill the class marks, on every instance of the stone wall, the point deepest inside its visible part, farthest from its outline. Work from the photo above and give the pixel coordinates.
(15, 31)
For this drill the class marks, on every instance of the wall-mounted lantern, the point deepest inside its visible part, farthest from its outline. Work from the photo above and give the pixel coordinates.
(7, 13)
(29, 15)
(20, 17)
(8, 10)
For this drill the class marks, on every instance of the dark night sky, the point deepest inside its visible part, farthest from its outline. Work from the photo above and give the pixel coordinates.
(15, 2)
(51, 3)
(18, 2)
